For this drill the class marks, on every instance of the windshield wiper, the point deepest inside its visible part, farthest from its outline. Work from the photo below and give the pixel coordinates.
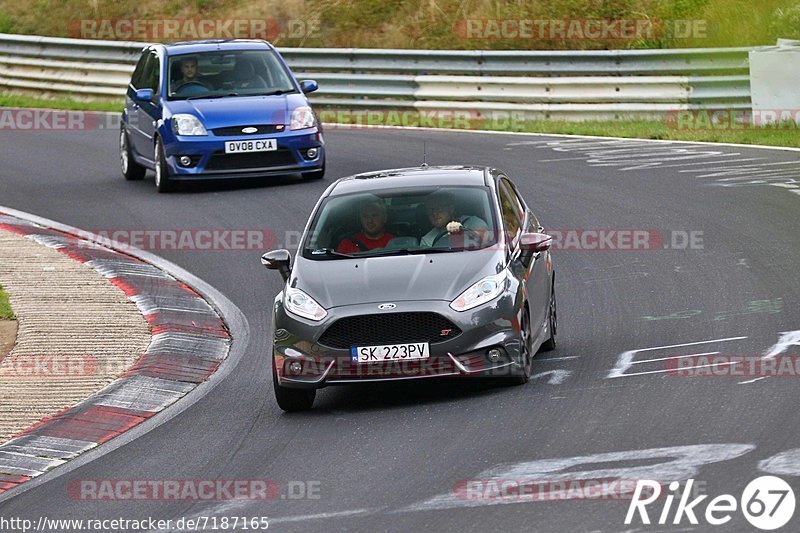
(412, 251)
(328, 252)
(273, 93)
(210, 96)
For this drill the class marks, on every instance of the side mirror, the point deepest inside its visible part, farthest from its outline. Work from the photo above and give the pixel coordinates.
(535, 242)
(308, 86)
(279, 260)
(144, 95)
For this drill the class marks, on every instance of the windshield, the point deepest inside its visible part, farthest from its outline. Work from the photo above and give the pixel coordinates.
(402, 221)
(227, 73)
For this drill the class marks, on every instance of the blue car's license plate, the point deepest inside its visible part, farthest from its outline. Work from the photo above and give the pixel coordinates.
(250, 145)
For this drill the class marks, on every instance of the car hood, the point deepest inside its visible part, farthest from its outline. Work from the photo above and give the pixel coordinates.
(240, 110)
(338, 282)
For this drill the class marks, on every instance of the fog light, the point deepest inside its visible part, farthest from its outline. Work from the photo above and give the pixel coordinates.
(494, 355)
(311, 153)
(295, 368)
(185, 160)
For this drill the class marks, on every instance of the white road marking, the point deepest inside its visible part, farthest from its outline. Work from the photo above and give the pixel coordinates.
(782, 464)
(625, 359)
(674, 370)
(557, 377)
(679, 462)
(320, 516)
(728, 169)
(788, 338)
(752, 380)
(673, 357)
(722, 162)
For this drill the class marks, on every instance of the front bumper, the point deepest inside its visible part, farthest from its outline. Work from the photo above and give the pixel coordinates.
(209, 160)
(493, 325)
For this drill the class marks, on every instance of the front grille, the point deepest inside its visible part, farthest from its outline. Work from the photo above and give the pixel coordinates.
(388, 328)
(236, 131)
(276, 158)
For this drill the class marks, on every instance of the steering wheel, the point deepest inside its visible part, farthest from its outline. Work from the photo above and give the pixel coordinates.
(463, 230)
(190, 85)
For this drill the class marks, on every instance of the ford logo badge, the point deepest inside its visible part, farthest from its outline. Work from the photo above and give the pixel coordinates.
(249, 129)
(384, 307)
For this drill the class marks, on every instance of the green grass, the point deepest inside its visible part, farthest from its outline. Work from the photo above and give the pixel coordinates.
(659, 130)
(10, 100)
(6, 313)
(432, 24)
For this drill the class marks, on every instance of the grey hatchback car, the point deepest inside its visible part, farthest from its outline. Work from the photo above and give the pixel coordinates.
(410, 274)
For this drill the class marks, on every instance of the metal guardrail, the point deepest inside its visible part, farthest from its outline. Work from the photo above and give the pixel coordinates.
(575, 85)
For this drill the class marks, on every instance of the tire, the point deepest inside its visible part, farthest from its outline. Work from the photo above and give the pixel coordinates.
(131, 170)
(316, 175)
(550, 344)
(526, 341)
(292, 400)
(163, 183)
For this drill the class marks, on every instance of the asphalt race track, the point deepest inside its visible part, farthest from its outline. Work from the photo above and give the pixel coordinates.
(387, 458)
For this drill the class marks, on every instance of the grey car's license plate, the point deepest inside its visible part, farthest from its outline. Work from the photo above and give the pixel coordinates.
(390, 352)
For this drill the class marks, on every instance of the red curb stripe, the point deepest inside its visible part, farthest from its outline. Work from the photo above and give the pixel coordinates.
(14, 228)
(93, 424)
(125, 286)
(9, 481)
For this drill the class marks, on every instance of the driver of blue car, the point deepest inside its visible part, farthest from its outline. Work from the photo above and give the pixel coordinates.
(188, 71)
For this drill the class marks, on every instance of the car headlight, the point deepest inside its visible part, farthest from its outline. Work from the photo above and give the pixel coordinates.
(186, 124)
(302, 117)
(481, 292)
(301, 304)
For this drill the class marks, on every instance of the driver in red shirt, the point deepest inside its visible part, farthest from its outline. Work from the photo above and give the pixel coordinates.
(373, 221)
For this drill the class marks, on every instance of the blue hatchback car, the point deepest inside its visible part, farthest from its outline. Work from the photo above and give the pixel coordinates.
(218, 109)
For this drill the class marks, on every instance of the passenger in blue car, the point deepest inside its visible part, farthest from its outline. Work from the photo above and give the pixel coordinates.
(245, 77)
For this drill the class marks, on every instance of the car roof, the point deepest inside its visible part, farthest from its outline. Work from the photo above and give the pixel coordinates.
(193, 47)
(421, 176)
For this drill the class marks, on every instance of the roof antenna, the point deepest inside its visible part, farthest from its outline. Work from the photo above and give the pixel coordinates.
(424, 156)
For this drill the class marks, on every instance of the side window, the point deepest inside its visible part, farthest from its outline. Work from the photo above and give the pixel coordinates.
(153, 72)
(137, 79)
(518, 205)
(511, 219)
